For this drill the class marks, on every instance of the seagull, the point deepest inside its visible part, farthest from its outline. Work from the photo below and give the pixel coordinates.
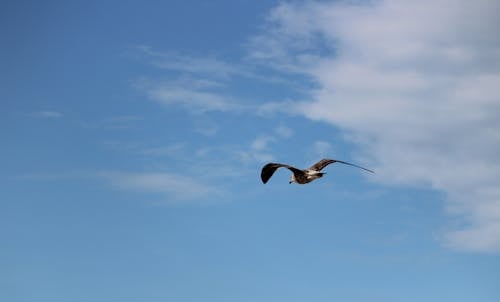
(303, 176)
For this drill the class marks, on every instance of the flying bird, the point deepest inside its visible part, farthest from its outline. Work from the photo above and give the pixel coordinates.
(303, 176)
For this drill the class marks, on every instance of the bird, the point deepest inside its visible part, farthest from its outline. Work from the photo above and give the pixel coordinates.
(305, 176)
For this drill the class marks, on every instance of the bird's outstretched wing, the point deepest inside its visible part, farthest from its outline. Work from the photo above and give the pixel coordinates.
(269, 169)
(321, 164)
(325, 162)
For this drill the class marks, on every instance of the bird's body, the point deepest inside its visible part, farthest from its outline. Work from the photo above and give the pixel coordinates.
(306, 177)
(302, 176)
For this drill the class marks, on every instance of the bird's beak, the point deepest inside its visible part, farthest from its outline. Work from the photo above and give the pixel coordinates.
(290, 182)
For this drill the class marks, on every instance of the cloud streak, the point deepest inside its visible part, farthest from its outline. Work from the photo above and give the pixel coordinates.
(197, 96)
(260, 148)
(420, 97)
(199, 84)
(47, 114)
(174, 187)
(207, 65)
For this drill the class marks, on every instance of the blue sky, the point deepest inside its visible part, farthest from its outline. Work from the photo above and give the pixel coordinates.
(133, 134)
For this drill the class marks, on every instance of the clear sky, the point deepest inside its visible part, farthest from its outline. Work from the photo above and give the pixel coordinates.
(133, 134)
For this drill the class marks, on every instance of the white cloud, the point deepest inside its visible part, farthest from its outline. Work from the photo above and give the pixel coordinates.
(198, 83)
(322, 148)
(259, 149)
(261, 143)
(271, 108)
(207, 65)
(415, 83)
(175, 187)
(284, 131)
(191, 95)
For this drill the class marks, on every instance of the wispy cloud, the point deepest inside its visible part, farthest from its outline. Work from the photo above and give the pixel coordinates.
(167, 187)
(421, 98)
(173, 187)
(200, 84)
(47, 114)
(197, 96)
(196, 65)
(211, 66)
(260, 148)
(284, 131)
(322, 148)
(193, 83)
